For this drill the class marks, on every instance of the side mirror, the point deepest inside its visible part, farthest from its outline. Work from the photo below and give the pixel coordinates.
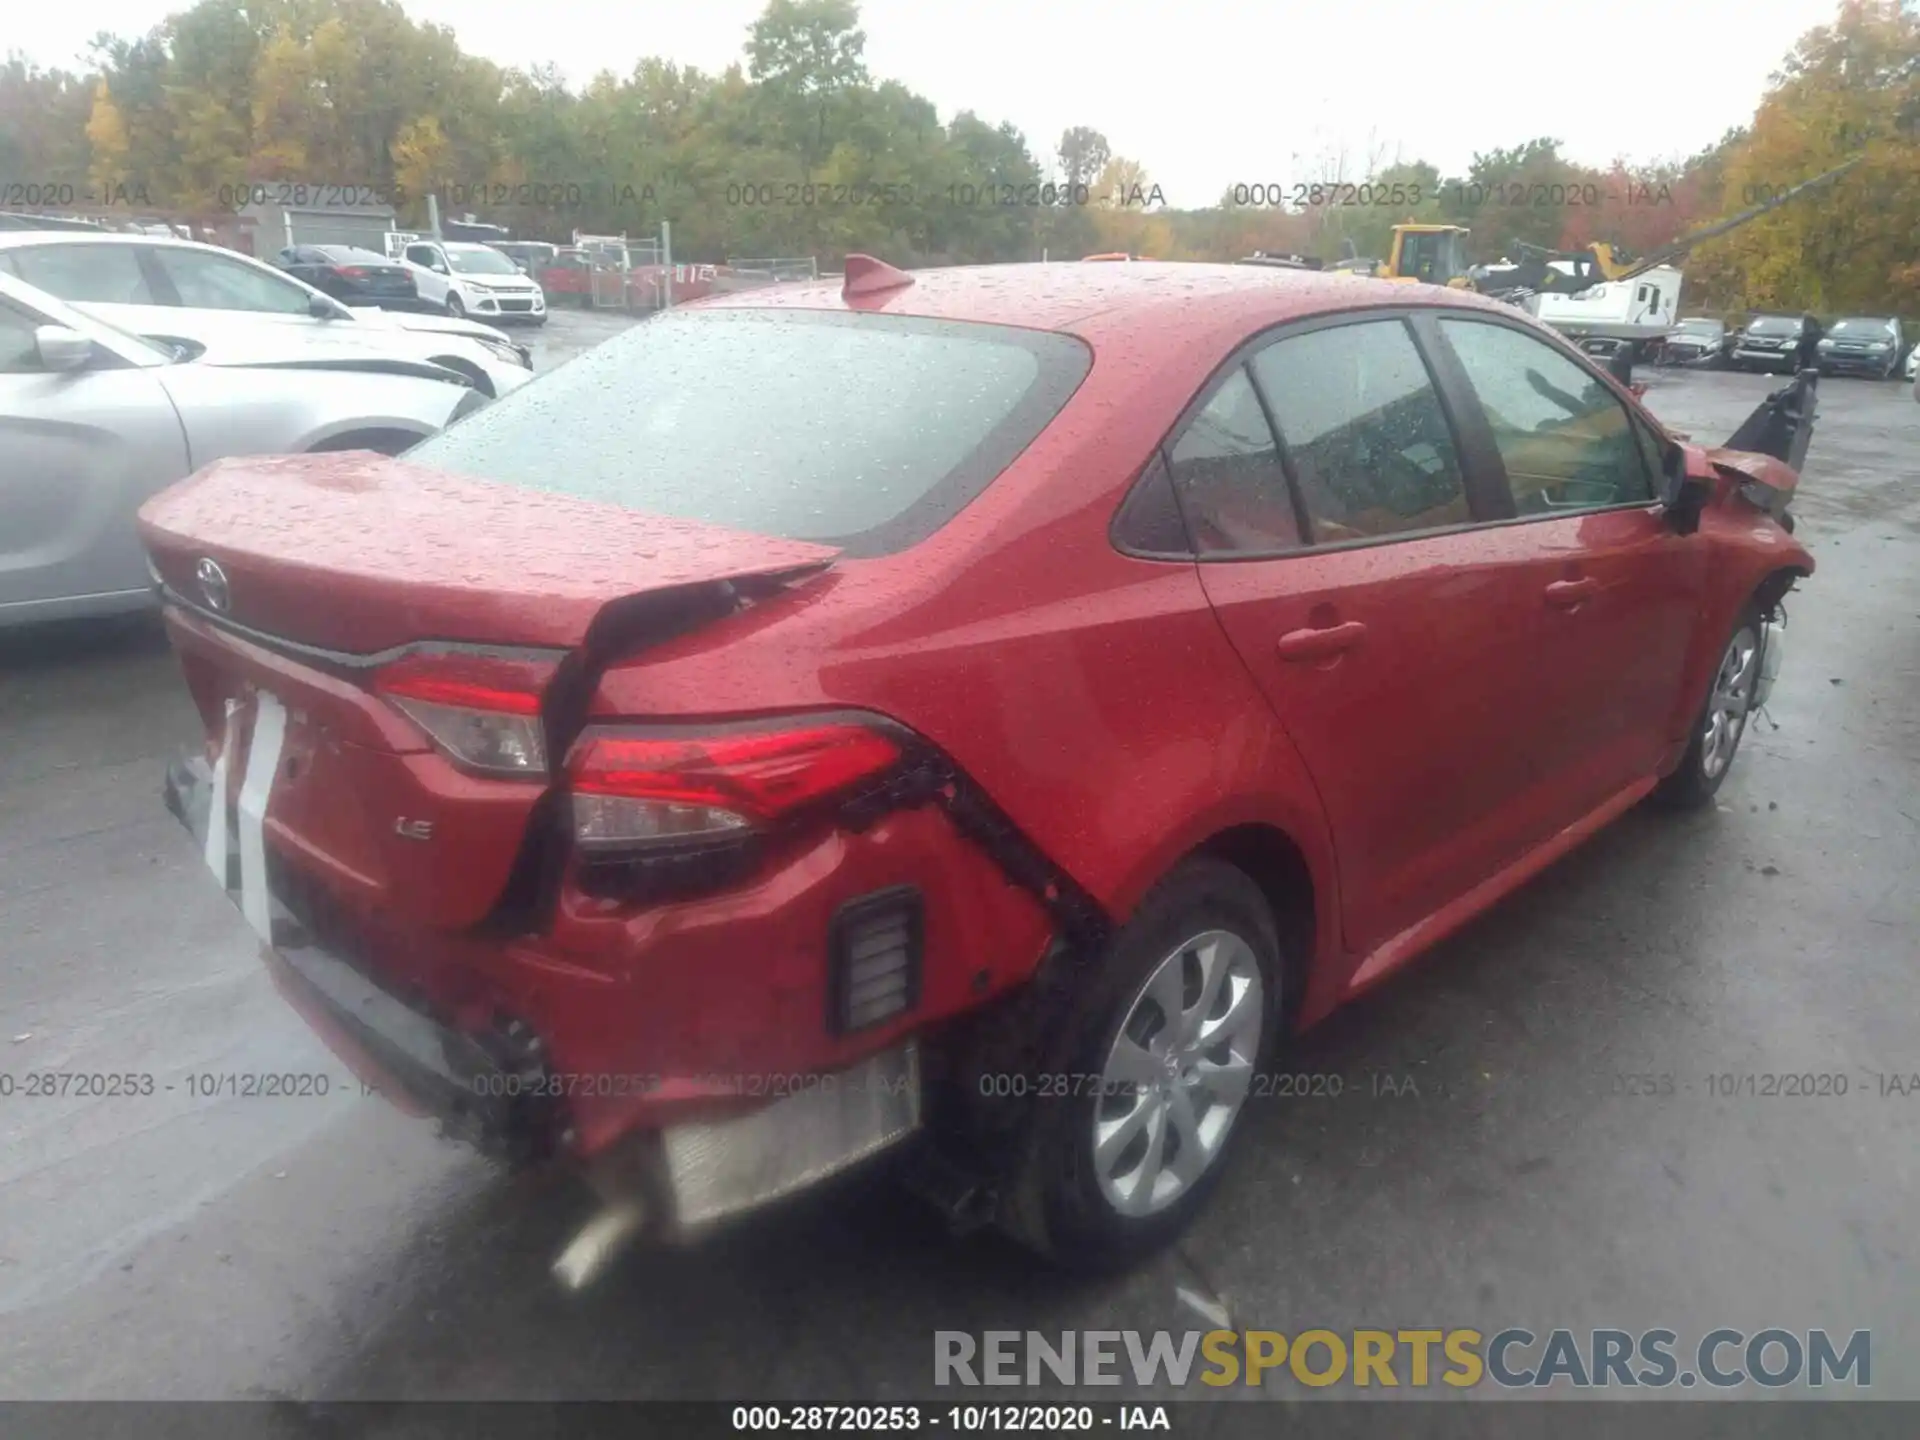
(1683, 495)
(322, 308)
(62, 349)
(439, 267)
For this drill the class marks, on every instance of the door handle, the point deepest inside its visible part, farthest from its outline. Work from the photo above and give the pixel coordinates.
(1567, 594)
(1319, 644)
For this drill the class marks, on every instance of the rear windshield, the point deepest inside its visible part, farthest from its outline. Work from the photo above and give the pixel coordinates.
(867, 432)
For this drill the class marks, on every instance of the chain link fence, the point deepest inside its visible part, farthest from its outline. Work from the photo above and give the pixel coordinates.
(747, 273)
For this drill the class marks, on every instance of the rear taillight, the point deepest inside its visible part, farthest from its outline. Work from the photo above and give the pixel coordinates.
(482, 710)
(350, 272)
(636, 789)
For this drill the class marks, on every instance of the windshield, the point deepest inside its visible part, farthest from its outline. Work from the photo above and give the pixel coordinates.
(867, 432)
(1774, 325)
(481, 260)
(1701, 327)
(1863, 329)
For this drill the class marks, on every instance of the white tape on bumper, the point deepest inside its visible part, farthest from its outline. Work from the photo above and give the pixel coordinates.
(216, 854)
(263, 763)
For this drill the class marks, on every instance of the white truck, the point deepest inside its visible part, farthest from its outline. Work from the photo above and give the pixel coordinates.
(1616, 313)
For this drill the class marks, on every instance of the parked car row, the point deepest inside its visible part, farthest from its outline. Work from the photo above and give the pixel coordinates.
(456, 278)
(182, 291)
(1870, 346)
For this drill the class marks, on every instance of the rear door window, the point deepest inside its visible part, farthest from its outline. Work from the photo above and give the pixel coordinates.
(85, 274)
(213, 282)
(1365, 432)
(1227, 474)
(867, 432)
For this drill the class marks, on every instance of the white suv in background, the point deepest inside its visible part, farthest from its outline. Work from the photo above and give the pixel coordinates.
(464, 278)
(204, 296)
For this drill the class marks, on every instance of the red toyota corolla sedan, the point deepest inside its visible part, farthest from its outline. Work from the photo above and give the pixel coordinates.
(979, 714)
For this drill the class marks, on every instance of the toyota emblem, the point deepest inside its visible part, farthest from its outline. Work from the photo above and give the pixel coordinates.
(213, 583)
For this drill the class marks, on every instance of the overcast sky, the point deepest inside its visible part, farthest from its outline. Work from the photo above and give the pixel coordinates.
(1204, 93)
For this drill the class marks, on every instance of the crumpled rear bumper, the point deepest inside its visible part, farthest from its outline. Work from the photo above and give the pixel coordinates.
(493, 1090)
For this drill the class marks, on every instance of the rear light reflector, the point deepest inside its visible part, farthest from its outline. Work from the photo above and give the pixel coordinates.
(873, 957)
(481, 710)
(636, 789)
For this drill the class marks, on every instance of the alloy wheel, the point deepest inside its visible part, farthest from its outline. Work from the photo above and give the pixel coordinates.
(1732, 699)
(1177, 1073)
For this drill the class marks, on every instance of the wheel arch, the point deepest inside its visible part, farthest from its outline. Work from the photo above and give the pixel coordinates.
(1764, 592)
(382, 439)
(1775, 584)
(1274, 861)
(466, 367)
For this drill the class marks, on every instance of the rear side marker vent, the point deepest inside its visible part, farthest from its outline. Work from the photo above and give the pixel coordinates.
(874, 958)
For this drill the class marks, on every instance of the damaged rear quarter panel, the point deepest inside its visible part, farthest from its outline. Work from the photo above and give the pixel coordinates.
(720, 998)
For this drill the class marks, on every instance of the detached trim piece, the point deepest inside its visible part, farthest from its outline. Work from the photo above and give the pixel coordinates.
(931, 778)
(1782, 424)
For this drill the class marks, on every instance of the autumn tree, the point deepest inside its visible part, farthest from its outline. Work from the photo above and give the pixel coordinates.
(107, 137)
(1083, 153)
(43, 120)
(1849, 88)
(806, 57)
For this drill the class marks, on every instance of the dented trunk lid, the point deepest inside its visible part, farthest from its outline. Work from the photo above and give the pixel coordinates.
(331, 568)
(360, 553)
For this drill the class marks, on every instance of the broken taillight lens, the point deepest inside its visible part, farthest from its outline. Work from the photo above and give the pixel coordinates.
(483, 711)
(637, 789)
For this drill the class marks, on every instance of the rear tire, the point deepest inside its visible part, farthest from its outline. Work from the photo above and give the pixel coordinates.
(1722, 722)
(1164, 1044)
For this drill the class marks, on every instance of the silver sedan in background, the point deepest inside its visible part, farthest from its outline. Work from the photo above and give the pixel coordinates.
(94, 420)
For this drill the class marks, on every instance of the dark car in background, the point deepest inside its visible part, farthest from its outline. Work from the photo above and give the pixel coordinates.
(1870, 345)
(1770, 342)
(1696, 341)
(351, 275)
(530, 255)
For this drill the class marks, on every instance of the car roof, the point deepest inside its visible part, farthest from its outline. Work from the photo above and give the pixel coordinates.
(1206, 302)
(21, 239)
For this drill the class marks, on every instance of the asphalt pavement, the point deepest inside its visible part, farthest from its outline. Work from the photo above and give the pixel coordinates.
(1482, 1166)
